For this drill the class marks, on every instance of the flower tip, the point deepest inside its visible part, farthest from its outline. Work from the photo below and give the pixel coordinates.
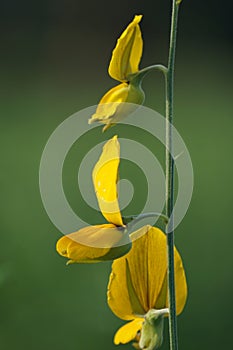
(137, 19)
(92, 119)
(107, 126)
(61, 246)
(69, 262)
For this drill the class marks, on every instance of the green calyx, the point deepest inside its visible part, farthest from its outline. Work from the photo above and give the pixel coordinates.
(152, 329)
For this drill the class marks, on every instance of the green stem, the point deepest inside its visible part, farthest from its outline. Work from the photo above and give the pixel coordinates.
(158, 67)
(137, 77)
(170, 179)
(135, 219)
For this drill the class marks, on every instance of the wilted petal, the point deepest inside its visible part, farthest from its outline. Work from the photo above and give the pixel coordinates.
(128, 332)
(128, 51)
(94, 244)
(105, 177)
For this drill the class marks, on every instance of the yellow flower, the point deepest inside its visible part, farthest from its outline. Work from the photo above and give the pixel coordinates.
(105, 177)
(107, 241)
(128, 52)
(117, 104)
(137, 290)
(94, 244)
(123, 65)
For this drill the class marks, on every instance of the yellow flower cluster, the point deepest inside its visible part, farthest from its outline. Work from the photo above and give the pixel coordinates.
(120, 101)
(106, 241)
(137, 289)
(138, 282)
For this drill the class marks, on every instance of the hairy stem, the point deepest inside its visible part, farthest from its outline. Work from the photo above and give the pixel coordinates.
(170, 178)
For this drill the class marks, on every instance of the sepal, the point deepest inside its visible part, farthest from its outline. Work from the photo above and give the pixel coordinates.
(152, 329)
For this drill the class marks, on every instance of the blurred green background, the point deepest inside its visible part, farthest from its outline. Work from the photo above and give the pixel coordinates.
(54, 58)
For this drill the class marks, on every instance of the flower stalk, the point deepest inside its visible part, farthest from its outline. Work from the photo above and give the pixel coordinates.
(131, 221)
(141, 74)
(170, 177)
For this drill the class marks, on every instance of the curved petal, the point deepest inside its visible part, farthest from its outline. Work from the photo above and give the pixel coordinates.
(128, 332)
(181, 287)
(105, 176)
(128, 51)
(123, 298)
(181, 284)
(94, 244)
(117, 104)
(109, 103)
(146, 268)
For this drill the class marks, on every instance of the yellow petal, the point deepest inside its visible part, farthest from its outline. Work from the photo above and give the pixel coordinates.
(94, 244)
(128, 51)
(128, 332)
(181, 287)
(105, 177)
(146, 264)
(181, 284)
(123, 298)
(117, 104)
